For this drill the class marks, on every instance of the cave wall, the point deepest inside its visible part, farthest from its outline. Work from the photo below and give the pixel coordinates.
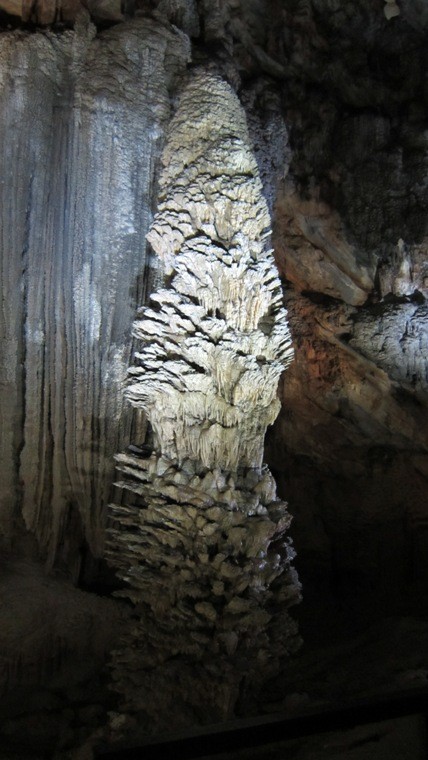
(335, 98)
(83, 119)
(335, 95)
(351, 238)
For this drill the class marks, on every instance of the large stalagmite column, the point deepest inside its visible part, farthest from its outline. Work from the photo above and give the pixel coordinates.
(200, 537)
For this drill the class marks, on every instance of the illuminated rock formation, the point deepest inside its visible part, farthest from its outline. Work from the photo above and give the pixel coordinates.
(200, 537)
(72, 258)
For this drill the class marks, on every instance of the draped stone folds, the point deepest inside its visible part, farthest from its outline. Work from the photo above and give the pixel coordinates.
(82, 119)
(200, 537)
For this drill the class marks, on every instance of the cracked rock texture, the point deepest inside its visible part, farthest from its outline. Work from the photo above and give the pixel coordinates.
(200, 537)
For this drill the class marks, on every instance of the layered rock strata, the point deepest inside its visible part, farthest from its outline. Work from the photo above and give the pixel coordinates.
(200, 537)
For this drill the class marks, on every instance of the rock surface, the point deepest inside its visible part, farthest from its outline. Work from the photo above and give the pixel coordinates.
(335, 98)
(350, 233)
(78, 175)
(341, 146)
(200, 537)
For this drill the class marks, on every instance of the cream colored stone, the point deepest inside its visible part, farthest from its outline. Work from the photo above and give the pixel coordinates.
(391, 9)
(211, 349)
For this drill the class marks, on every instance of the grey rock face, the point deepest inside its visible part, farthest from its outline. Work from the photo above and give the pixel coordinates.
(77, 167)
(337, 99)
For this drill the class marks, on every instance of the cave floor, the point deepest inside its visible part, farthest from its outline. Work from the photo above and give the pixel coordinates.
(357, 643)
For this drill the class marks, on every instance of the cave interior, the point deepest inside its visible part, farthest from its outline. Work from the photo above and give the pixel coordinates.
(331, 96)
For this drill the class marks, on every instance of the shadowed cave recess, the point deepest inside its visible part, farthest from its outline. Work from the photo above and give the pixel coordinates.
(209, 193)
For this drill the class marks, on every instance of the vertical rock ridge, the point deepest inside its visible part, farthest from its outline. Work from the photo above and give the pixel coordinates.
(76, 203)
(200, 536)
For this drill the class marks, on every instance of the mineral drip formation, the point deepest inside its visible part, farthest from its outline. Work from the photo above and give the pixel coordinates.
(200, 537)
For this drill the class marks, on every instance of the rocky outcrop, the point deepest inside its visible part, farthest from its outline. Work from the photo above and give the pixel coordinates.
(201, 538)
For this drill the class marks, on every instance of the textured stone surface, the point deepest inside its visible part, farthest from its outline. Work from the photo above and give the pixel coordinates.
(207, 564)
(314, 253)
(351, 438)
(336, 101)
(48, 12)
(200, 536)
(76, 204)
(216, 345)
(40, 648)
(360, 496)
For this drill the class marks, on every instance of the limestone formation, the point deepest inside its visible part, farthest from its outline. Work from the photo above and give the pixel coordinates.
(72, 260)
(200, 536)
(336, 99)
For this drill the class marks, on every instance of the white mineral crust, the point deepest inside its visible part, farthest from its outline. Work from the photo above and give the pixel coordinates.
(200, 537)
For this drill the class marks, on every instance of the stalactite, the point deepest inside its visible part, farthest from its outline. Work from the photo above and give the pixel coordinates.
(200, 536)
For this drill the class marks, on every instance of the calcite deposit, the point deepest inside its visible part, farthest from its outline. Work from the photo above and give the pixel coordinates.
(336, 100)
(200, 537)
(73, 260)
